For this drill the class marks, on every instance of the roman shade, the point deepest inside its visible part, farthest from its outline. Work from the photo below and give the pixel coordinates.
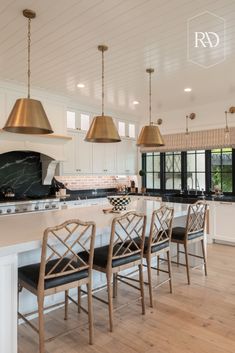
(196, 140)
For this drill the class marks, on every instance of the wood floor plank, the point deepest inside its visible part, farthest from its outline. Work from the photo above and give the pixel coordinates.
(199, 318)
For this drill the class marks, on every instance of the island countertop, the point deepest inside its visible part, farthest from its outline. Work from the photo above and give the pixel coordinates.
(23, 232)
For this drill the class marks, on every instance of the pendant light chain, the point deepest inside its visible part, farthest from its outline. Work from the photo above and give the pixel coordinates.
(150, 98)
(102, 82)
(29, 44)
(102, 128)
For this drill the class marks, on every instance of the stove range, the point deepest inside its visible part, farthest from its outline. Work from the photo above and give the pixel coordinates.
(28, 204)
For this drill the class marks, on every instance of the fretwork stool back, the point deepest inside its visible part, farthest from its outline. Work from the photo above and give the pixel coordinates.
(194, 231)
(125, 250)
(61, 268)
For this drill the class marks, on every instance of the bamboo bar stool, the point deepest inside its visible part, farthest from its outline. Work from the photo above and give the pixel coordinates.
(157, 244)
(60, 269)
(118, 256)
(194, 231)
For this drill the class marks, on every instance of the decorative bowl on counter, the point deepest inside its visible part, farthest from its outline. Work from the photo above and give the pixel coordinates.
(119, 203)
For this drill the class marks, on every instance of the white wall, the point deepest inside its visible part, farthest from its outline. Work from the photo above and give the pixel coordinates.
(208, 116)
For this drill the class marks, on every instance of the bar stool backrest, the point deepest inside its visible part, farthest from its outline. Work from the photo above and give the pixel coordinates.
(161, 226)
(196, 218)
(127, 236)
(62, 244)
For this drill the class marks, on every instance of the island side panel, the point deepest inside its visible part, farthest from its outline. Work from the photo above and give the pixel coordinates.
(8, 304)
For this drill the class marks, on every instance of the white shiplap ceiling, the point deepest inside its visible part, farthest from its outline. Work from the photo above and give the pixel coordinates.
(139, 33)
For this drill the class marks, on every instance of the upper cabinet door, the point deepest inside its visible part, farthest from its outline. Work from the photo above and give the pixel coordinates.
(98, 158)
(127, 157)
(78, 155)
(121, 157)
(104, 158)
(110, 152)
(83, 155)
(69, 165)
(131, 156)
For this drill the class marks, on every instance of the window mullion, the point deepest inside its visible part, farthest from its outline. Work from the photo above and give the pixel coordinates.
(208, 170)
(233, 170)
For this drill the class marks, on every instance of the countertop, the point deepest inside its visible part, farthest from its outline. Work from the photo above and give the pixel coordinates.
(23, 232)
(167, 197)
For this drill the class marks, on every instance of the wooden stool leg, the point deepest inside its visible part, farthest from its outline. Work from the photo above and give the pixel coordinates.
(115, 285)
(169, 270)
(158, 264)
(178, 254)
(186, 262)
(110, 300)
(20, 288)
(204, 256)
(148, 260)
(66, 302)
(41, 324)
(141, 279)
(90, 313)
(79, 299)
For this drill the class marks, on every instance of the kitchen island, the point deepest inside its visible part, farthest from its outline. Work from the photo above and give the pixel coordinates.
(20, 243)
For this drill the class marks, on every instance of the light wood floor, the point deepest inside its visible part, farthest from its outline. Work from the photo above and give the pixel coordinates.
(199, 318)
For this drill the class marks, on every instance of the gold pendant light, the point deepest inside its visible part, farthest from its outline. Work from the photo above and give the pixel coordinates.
(102, 128)
(28, 115)
(150, 135)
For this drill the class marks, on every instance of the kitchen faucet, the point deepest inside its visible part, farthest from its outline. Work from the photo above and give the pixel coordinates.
(197, 185)
(94, 192)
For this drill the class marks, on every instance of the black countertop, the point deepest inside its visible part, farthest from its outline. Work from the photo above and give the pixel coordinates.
(167, 197)
(100, 193)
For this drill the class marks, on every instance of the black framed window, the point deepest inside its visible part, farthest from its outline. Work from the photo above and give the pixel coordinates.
(196, 170)
(191, 170)
(153, 171)
(222, 169)
(172, 171)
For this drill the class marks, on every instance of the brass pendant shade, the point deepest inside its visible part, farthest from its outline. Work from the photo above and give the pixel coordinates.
(28, 115)
(150, 135)
(102, 129)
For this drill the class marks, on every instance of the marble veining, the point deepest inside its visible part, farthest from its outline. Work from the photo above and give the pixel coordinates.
(22, 171)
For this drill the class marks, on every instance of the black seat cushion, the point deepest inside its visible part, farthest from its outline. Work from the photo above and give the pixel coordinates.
(155, 247)
(30, 274)
(178, 233)
(101, 257)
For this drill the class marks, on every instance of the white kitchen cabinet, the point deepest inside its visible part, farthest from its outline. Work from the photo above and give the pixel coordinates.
(104, 158)
(99, 158)
(127, 157)
(83, 155)
(78, 155)
(222, 221)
